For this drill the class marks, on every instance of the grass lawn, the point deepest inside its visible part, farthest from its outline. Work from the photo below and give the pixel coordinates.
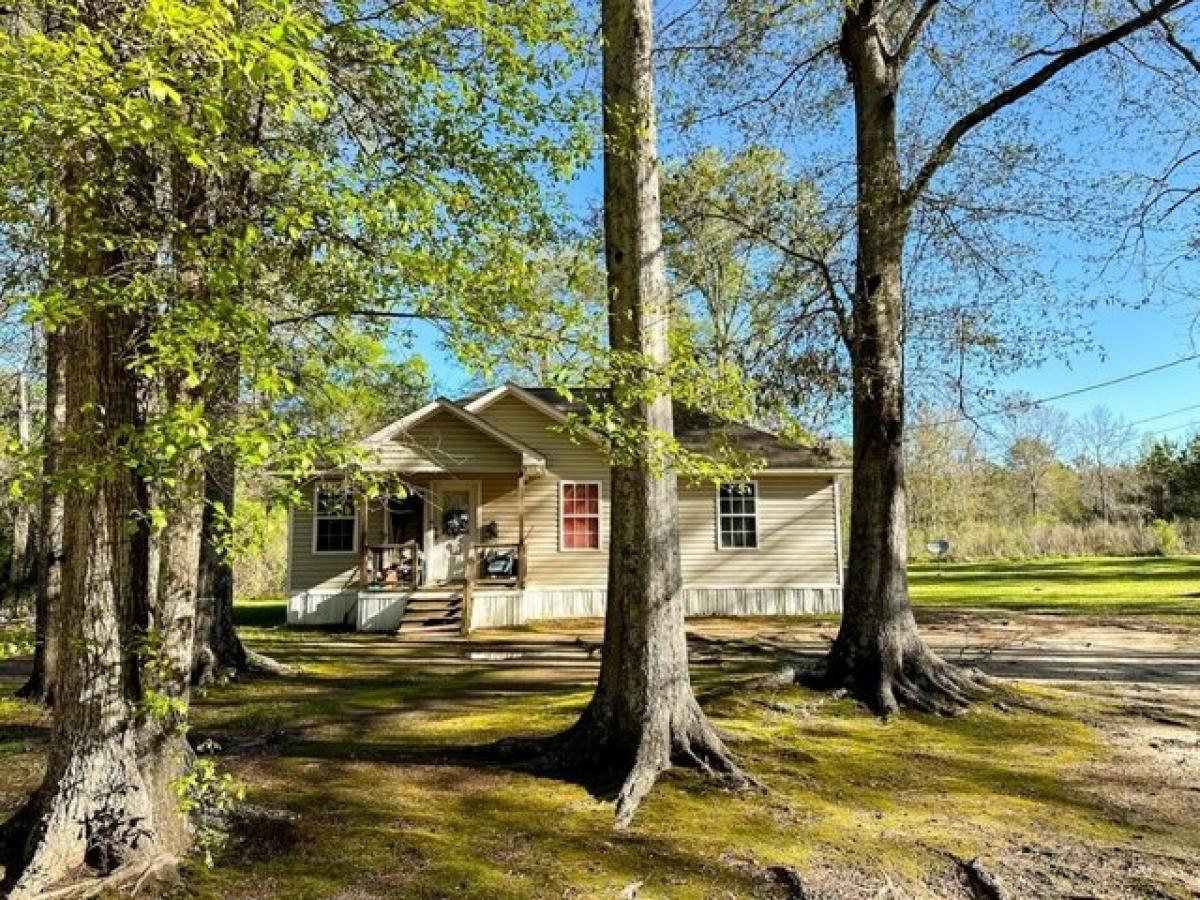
(1121, 586)
(371, 748)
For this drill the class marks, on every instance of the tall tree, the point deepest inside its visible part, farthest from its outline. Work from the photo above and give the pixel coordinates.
(431, 128)
(731, 221)
(1105, 440)
(908, 203)
(21, 569)
(643, 716)
(1034, 435)
(40, 684)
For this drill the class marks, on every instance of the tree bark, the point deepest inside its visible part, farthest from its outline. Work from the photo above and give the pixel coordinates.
(643, 716)
(217, 647)
(878, 654)
(107, 806)
(40, 685)
(107, 801)
(21, 563)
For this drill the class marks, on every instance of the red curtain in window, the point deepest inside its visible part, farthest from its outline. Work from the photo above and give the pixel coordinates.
(581, 516)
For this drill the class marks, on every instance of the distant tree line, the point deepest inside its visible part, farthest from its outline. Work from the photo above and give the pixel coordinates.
(1044, 483)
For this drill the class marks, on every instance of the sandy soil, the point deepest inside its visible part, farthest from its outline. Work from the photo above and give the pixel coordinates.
(1136, 681)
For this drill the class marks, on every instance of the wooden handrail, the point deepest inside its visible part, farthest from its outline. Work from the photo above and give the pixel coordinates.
(469, 587)
(522, 561)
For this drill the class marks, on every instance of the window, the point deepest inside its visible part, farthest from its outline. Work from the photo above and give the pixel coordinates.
(334, 527)
(737, 516)
(579, 510)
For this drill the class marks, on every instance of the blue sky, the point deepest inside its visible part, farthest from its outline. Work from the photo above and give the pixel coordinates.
(1127, 340)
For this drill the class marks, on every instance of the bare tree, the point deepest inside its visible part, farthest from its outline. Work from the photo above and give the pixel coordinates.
(1033, 437)
(1104, 440)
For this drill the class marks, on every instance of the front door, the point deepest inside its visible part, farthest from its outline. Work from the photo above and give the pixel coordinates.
(451, 529)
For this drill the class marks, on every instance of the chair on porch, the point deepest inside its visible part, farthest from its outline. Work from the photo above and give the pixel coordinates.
(395, 566)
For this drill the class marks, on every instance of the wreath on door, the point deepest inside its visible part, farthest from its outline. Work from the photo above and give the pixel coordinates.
(455, 522)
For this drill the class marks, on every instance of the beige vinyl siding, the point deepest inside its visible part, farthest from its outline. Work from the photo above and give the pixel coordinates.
(445, 443)
(796, 518)
(796, 535)
(325, 571)
(565, 461)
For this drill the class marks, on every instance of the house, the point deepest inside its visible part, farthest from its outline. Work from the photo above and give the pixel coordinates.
(500, 518)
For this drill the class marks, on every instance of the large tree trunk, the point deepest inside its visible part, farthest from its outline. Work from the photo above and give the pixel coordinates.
(40, 686)
(107, 806)
(21, 563)
(643, 716)
(878, 653)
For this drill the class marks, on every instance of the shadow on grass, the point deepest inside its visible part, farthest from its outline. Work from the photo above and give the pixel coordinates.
(264, 613)
(1078, 567)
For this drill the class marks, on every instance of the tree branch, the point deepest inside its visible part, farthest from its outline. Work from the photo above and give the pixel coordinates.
(908, 43)
(980, 114)
(1189, 55)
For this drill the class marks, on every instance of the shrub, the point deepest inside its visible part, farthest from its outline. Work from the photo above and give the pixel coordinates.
(1169, 541)
(996, 540)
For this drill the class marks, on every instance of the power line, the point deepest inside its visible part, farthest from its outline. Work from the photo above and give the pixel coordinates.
(1173, 412)
(1030, 404)
(1176, 427)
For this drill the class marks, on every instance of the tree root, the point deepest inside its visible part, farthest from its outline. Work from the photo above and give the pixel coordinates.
(261, 664)
(626, 768)
(34, 691)
(160, 870)
(209, 672)
(109, 814)
(910, 677)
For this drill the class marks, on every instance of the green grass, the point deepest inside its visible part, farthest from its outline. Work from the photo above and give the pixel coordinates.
(1089, 586)
(370, 746)
(373, 753)
(1137, 585)
(262, 611)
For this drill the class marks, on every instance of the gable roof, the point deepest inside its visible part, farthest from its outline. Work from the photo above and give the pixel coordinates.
(532, 397)
(696, 431)
(530, 458)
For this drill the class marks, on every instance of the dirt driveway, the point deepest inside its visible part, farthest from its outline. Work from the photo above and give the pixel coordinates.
(1135, 680)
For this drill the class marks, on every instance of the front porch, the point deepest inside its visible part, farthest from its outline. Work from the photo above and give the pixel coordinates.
(427, 549)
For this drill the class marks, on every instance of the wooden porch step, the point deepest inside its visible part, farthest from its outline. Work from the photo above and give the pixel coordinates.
(432, 605)
(428, 632)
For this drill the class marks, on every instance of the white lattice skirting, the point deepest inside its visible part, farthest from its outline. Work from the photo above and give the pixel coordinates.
(532, 604)
(506, 608)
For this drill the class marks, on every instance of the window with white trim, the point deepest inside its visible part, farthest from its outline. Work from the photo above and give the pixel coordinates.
(737, 516)
(335, 529)
(579, 515)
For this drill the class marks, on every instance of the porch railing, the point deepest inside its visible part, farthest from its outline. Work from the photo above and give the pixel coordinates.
(395, 566)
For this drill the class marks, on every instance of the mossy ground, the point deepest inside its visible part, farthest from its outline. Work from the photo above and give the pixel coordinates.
(373, 748)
